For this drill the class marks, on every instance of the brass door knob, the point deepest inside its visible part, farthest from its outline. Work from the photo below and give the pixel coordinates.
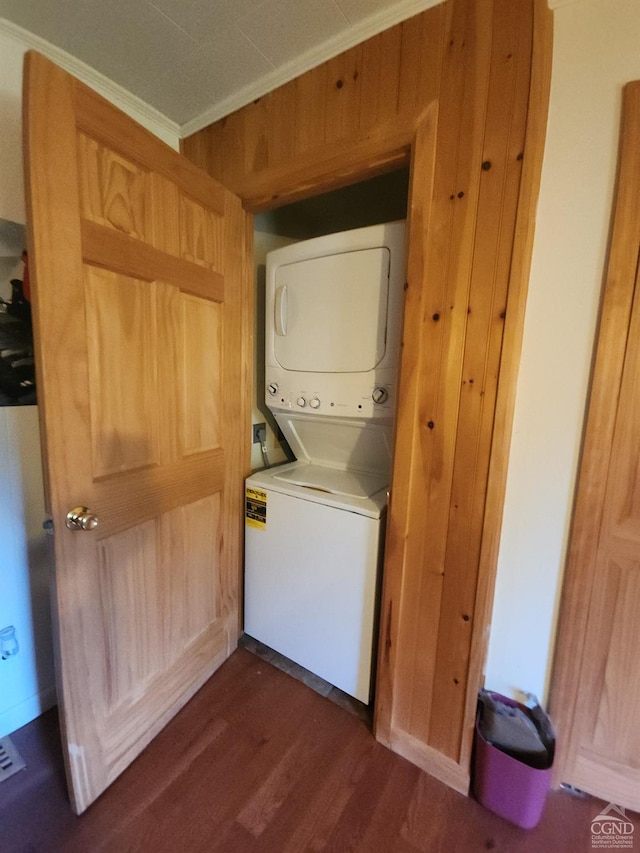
(81, 518)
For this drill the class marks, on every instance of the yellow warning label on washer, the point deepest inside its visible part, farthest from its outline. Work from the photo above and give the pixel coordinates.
(255, 507)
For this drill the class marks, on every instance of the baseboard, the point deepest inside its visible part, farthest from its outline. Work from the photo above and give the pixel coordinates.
(22, 713)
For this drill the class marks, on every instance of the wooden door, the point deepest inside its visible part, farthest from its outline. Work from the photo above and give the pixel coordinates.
(141, 328)
(595, 697)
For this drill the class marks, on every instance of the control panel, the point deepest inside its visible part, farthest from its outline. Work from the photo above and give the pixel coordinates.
(369, 400)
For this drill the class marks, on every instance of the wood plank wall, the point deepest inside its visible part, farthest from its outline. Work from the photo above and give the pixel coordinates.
(448, 88)
(350, 117)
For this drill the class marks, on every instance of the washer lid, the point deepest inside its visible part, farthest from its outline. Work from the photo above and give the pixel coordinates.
(348, 444)
(334, 481)
(272, 479)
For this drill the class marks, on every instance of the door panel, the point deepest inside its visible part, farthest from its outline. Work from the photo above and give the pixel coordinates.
(200, 375)
(128, 585)
(141, 311)
(122, 382)
(113, 190)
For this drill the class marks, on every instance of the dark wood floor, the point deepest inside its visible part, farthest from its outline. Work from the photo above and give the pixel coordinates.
(259, 762)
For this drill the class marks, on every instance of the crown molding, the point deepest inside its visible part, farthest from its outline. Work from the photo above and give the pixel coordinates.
(138, 109)
(312, 58)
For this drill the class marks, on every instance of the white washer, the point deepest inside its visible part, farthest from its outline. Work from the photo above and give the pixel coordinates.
(312, 567)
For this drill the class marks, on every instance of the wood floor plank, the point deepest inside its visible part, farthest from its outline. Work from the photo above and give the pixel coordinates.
(258, 762)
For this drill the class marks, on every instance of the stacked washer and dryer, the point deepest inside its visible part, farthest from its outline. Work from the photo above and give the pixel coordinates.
(314, 527)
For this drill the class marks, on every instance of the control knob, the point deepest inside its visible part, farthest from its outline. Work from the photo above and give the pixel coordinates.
(301, 402)
(380, 394)
(314, 403)
(272, 388)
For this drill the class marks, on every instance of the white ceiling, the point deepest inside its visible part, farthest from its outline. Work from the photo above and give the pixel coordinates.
(196, 60)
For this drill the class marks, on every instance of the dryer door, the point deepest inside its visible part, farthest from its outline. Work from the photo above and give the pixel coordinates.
(330, 313)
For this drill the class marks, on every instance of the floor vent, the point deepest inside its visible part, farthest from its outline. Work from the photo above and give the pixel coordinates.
(10, 759)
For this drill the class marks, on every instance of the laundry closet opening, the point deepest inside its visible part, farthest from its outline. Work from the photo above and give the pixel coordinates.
(328, 328)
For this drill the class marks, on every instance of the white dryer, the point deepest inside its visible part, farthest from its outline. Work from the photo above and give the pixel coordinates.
(314, 527)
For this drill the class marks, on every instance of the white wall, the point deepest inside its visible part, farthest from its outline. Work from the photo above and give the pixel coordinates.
(596, 51)
(27, 680)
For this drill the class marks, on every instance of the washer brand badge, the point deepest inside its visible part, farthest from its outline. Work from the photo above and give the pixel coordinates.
(612, 829)
(255, 508)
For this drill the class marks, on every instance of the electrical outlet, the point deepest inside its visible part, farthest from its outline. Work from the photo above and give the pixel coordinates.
(257, 429)
(8, 642)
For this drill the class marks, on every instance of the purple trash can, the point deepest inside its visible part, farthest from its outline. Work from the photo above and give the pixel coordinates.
(506, 785)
